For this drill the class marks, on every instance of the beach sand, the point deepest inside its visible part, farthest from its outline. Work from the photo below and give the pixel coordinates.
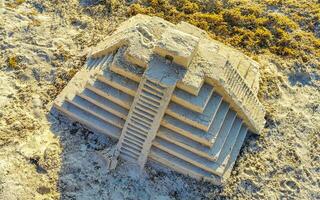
(43, 44)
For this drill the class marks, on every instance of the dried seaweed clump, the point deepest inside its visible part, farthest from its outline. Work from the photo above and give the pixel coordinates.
(276, 26)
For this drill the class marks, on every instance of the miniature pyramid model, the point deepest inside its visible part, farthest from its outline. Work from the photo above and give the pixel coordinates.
(170, 94)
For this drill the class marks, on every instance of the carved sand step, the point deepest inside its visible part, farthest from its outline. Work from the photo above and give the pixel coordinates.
(226, 142)
(132, 145)
(188, 156)
(184, 142)
(133, 131)
(206, 138)
(128, 155)
(134, 139)
(199, 148)
(124, 150)
(119, 82)
(186, 130)
(97, 62)
(243, 67)
(182, 166)
(114, 95)
(196, 103)
(198, 120)
(233, 140)
(97, 111)
(224, 131)
(91, 121)
(104, 103)
(251, 76)
(234, 153)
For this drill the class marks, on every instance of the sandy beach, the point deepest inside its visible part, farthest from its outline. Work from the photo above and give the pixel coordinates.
(44, 43)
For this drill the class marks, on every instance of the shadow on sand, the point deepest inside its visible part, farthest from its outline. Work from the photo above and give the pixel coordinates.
(84, 174)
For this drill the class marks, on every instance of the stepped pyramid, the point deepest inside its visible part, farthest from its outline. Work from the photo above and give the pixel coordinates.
(170, 94)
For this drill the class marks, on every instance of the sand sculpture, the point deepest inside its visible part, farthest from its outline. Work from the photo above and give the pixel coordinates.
(170, 94)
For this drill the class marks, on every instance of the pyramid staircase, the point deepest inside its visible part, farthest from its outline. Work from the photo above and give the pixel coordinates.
(197, 135)
(143, 121)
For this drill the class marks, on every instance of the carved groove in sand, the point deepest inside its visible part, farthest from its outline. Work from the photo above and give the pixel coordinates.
(170, 94)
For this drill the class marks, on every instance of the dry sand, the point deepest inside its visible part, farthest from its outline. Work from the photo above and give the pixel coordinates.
(42, 157)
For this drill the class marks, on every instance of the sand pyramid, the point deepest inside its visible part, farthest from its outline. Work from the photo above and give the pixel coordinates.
(168, 93)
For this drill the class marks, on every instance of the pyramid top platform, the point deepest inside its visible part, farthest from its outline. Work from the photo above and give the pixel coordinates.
(232, 74)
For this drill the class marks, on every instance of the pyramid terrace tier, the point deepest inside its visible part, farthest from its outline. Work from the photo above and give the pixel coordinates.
(198, 120)
(199, 155)
(215, 167)
(95, 123)
(212, 153)
(182, 166)
(205, 137)
(187, 162)
(134, 72)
